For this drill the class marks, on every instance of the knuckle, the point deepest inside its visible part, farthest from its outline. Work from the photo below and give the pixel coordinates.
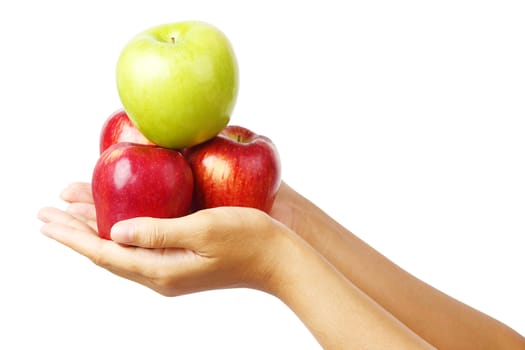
(151, 234)
(156, 238)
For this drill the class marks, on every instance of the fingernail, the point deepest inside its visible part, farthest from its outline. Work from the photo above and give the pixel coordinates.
(122, 232)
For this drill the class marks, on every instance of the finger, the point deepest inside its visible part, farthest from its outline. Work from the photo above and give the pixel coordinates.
(102, 252)
(84, 212)
(159, 269)
(184, 232)
(54, 215)
(77, 192)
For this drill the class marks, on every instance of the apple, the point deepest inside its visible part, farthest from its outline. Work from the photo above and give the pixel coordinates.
(235, 168)
(178, 82)
(132, 180)
(119, 128)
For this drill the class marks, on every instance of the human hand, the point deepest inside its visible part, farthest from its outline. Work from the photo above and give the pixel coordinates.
(80, 199)
(230, 247)
(288, 208)
(210, 249)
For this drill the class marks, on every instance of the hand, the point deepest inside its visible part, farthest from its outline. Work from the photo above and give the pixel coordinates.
(285, 209)
(232, 247)
(210, 249)
(289, 206)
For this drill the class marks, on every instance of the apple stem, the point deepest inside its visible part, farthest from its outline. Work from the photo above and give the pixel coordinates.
(239, 138)
(172, 39)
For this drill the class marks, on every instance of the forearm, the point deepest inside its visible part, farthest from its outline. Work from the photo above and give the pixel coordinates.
(440, 319)
(337, 313)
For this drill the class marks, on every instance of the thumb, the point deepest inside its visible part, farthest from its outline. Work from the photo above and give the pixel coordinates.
(148, 232)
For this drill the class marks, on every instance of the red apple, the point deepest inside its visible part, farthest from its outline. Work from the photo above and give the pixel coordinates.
(235, 168)
(131, 180)
(119, 128)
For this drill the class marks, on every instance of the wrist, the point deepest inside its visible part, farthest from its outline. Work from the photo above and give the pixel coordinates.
(289, 253)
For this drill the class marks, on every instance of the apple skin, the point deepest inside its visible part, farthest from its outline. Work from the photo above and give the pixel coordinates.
(235, 168)
(178, 82)
(119, 128)
(132, 180)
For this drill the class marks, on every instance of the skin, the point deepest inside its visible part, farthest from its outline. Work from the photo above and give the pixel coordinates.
(379, 305)
(441, 320)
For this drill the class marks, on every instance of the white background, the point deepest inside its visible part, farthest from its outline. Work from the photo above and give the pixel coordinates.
(402, 119)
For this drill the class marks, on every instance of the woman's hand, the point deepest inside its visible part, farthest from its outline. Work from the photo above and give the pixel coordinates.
(232, 247)
(288, 204)
(210, 249)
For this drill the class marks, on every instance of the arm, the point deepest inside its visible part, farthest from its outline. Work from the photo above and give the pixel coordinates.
(338, 314)
(439, 319)
(235, 247)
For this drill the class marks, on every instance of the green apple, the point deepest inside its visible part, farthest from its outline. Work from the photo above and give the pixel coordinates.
(178, 82)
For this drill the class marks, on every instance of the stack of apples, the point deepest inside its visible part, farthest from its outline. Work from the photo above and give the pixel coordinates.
(170, 151)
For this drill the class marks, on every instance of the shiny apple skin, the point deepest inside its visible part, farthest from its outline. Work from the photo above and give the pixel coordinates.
(235, 168)
(119, 128)
(132, 180)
